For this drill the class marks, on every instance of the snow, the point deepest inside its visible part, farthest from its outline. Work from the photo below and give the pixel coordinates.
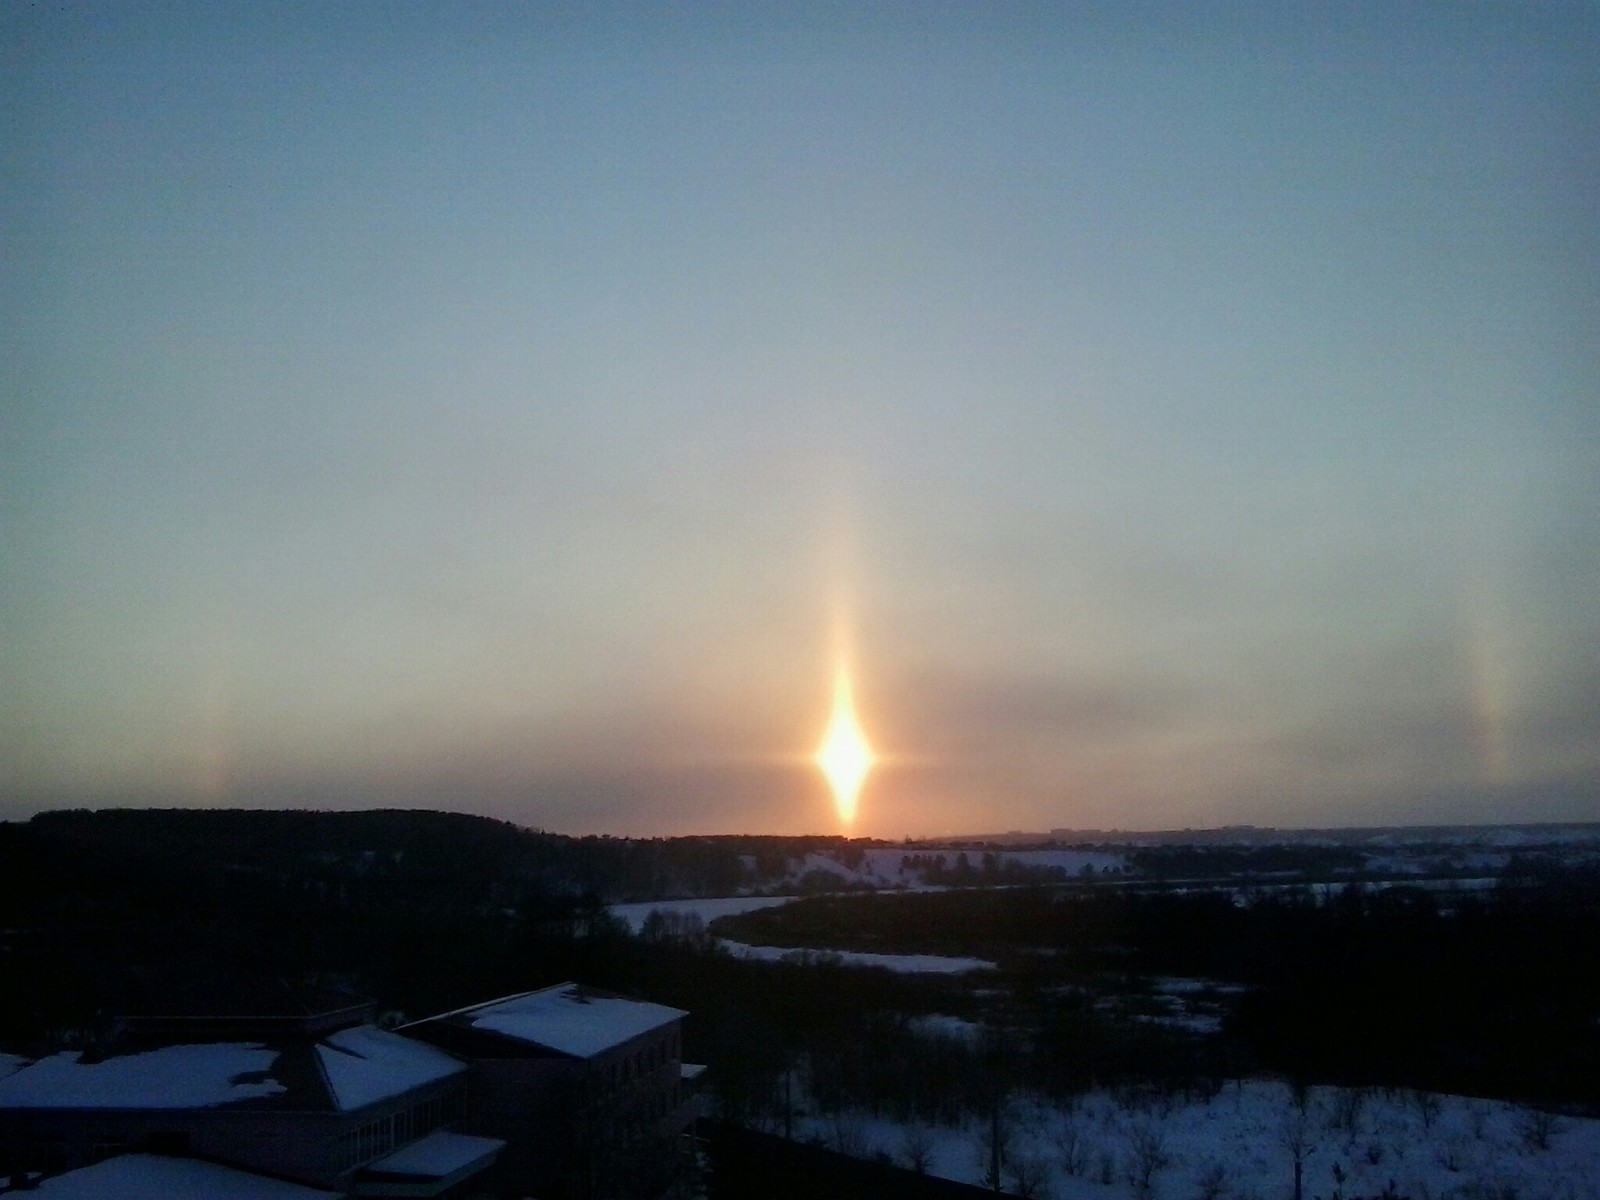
(10, 1064)
(439, 1154)
(727, 906)
(1073, 862)
(909, 964)
(945, 1026)
(171, 1077)
(1425, 1144)
(571, 1019)
(707, 910)
(884, 866)
(366, 1064)
(151, 1177)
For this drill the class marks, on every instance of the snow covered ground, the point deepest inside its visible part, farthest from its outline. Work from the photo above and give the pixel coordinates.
(911, 964)
(708, 910)
(891, 866)
(1240, 1145)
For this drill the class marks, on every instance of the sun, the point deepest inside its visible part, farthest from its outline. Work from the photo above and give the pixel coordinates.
(844, 757)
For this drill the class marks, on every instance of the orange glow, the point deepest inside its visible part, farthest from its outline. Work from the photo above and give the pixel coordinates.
(844, 756)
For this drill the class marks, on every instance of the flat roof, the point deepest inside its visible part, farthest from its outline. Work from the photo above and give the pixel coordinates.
(440, 1155)
(157, 1177)
(568, 1018)
(348, 1069)
(366, 1064)
(198, 1076)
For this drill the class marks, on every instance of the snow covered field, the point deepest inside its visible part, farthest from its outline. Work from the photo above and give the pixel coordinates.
(889, 867)
(1240, 1145)
(912, 964)
(708, 910)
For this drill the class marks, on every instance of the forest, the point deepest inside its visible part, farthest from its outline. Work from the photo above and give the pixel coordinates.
(1488, 992)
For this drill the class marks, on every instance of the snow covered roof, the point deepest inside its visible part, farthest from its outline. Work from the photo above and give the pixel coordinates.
(346, 1070)
(153, 1177)
(366, 1064)
(171, 1077)
(571, 1019)
(10, 1063)
(440, 1155)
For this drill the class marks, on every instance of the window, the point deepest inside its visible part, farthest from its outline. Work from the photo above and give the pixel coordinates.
(103, 1146)
(167, 1143)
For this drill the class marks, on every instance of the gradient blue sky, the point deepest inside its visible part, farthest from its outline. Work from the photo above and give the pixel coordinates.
(1193, 410)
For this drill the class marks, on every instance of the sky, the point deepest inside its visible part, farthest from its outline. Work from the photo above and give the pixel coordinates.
(1173, 415)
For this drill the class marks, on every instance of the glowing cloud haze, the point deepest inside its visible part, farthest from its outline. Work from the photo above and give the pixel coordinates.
(459, 405)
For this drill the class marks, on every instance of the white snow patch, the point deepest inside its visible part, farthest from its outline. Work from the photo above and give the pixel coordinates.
(366, 1064)
(887, 866)
(171, 1077)
(439, 1154)
(910, 964)
(707, 910)
(1426, 1144)
(942, 1025)
(569, 1019)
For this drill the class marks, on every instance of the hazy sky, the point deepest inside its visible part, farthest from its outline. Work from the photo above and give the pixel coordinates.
(1191, 413)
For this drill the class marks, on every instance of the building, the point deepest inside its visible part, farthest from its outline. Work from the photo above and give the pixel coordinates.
(587, 1089)
(559, 1092)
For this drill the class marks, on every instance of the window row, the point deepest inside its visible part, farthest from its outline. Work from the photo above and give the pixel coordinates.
(378, 1137)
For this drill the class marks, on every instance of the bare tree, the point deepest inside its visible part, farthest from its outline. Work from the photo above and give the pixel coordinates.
(994, 1146)
(1028, 1176)
(1427, 1105)
(848, 1136)
(1212, 1182)
(1147, 1156)
(1537, 1126)
(1347, 1106)
(917, 1149)
(1294, 1134)
(997, 1056)
(1072, 1145)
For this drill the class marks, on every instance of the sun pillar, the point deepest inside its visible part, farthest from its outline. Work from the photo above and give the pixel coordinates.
(844, 757)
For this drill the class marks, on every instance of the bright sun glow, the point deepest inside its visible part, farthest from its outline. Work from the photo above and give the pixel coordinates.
(844, 756)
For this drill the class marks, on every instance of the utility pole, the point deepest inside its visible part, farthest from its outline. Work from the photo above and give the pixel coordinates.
(994, 1144)
(788, 1098)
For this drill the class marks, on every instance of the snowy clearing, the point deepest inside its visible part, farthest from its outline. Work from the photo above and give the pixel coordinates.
(1240, 1145)
(727, 906)
(910, 964)
(707, 910)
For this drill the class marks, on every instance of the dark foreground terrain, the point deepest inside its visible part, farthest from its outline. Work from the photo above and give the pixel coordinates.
(746, 1165)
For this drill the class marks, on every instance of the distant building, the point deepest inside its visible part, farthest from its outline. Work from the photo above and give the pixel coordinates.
(560, 1092)
(587, 1089)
